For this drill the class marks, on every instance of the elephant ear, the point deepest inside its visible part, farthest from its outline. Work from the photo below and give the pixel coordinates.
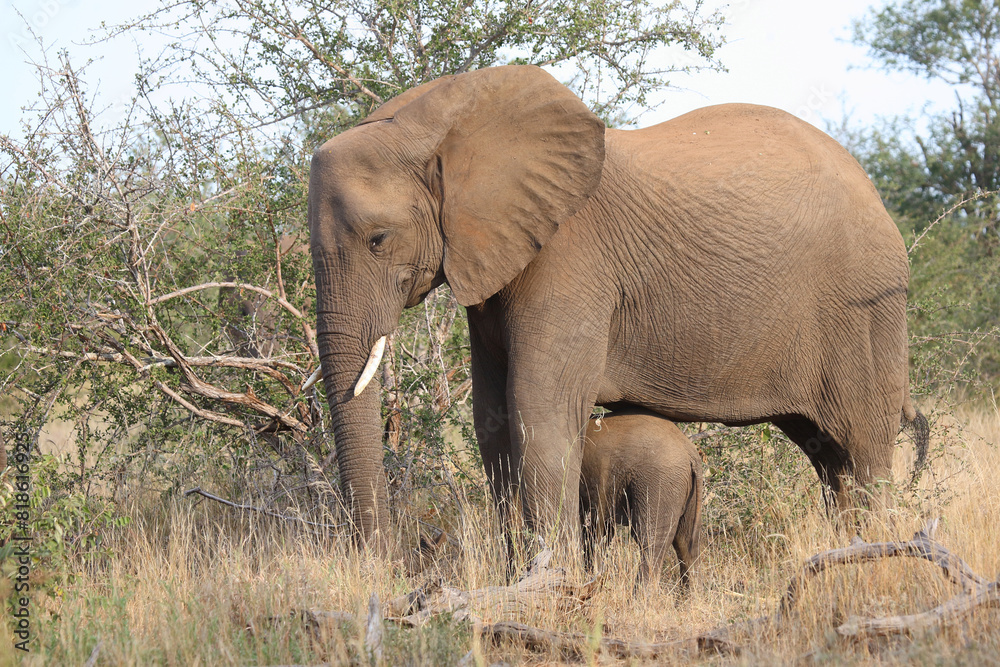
(511, 153)
(388, 109)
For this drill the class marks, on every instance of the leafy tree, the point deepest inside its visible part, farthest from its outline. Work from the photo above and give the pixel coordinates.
(275, 60)
(948, 176)
(958, 42)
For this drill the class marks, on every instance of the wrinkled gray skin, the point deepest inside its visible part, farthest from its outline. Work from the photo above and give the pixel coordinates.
(640, 471)
(732, 265)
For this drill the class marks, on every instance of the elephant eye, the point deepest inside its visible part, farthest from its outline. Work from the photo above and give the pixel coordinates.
(376, 240)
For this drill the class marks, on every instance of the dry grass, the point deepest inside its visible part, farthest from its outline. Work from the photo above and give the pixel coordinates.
(196, 585)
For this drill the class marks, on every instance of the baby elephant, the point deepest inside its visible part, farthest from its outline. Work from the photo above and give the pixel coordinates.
(641, 471)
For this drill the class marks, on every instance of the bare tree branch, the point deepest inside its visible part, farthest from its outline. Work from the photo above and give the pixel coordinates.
(244, 286)
(260, 510)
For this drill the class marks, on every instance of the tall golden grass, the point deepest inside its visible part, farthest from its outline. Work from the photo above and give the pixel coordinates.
(194, 584)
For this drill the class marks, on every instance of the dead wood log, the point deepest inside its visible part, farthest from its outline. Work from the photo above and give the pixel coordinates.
(921, 545)
(978, 591)
(539, 586)
(950, 612)
(542, 584)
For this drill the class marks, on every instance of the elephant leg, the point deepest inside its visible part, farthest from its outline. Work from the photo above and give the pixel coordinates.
(870, 445)
(598, 511)
(828, 457)
(550, 408)
(653, 513)
(846, 463)
(550, 470)
(491, 419)
(851, 431)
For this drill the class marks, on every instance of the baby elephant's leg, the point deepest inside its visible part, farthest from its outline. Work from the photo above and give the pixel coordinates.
(593, 525)
(687, 540)
(667, 495)
(656, 504)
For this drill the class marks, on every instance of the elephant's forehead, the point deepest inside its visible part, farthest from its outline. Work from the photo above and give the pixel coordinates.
(358, 170)
(344, 157)
(353, 201)
(365, 151)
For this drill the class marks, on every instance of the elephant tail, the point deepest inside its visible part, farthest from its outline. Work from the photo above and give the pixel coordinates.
(919, 429)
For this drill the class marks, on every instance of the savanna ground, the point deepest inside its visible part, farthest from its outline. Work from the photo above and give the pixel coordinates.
(184, 582)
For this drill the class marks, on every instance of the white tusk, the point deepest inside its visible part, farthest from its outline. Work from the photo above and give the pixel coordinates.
(312, 379)
(374, 359)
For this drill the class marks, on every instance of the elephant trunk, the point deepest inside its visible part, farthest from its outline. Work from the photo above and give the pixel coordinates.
(357, 433)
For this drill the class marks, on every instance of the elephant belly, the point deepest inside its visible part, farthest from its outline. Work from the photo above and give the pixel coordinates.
(708, 372)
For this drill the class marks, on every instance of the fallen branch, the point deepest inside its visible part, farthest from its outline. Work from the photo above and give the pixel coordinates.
(542, 584)
(921, 545)
(944, 614)
(978, 592)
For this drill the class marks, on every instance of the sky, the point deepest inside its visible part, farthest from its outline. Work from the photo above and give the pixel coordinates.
(788, 54)
(797, 56)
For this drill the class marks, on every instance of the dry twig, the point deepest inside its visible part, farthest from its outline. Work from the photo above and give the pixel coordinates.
(250, 508)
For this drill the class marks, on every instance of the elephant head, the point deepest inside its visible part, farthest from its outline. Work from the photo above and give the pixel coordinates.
(462, 179)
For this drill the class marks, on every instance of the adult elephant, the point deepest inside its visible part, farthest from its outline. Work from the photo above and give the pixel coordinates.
(732, 265)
